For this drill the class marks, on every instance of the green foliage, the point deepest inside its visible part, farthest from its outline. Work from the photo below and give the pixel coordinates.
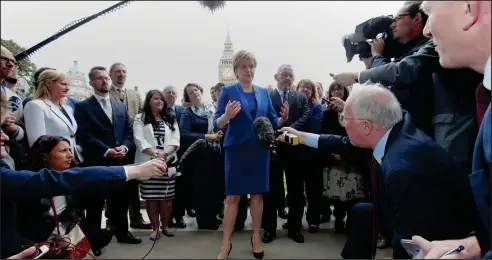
(25, 68)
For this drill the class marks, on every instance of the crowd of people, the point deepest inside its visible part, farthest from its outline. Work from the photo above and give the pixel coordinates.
(400, 150)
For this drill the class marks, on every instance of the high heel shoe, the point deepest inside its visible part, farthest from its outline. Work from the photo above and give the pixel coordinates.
(256, 255)
(230, 249)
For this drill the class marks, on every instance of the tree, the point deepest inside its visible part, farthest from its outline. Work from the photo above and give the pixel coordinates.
(25, 68)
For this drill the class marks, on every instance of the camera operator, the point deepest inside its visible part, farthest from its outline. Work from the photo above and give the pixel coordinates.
(407, 30)
(416, 80)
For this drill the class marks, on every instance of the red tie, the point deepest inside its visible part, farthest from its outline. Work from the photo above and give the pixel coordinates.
(374, 197)
(483, 101)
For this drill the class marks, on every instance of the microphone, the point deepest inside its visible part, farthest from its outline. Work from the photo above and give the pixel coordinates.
(264, 130)
(170, 161)
(189, 154)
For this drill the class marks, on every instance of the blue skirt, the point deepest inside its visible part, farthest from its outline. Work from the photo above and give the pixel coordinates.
(247, 168)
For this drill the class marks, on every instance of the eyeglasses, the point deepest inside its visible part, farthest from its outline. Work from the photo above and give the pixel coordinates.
(399, 17)
(102, 78)
(8, 60)
(343, 120)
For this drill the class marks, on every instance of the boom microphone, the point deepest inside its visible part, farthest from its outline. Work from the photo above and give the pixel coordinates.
(264, 130)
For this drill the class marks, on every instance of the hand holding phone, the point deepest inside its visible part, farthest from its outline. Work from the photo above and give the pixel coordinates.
(412, 249)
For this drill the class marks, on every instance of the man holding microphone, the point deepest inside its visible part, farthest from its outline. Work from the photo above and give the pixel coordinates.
(417, 186)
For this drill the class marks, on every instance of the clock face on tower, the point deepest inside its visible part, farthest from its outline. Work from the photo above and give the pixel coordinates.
(227, 73)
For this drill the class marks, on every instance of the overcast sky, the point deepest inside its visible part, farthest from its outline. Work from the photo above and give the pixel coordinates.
(174, 43)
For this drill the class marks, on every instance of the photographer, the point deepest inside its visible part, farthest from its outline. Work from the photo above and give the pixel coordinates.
(441, 101)
(417, 97)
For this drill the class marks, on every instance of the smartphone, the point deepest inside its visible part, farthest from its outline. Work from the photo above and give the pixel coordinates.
(42, 251)
(412, 249)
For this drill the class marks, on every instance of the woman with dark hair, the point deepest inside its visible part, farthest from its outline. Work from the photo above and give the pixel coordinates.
(37, 217)
(207, 180)
(311, 158)
(156, 135)
(343, 182)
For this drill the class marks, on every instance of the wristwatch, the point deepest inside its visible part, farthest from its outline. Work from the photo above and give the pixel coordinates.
(356, 77)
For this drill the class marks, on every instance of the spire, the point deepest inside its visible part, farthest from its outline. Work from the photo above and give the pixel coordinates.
(228, 39)
(75, 63)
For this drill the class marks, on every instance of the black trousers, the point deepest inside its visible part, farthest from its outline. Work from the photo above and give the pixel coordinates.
(288, 159)
(183, 199)
(133, 195)
(314, 191)
(208, 187)
(361, 242)
(94, 205)
(118, 206)
(272, 198)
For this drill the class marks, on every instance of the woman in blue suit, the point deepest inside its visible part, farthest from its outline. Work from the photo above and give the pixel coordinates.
(246, 160)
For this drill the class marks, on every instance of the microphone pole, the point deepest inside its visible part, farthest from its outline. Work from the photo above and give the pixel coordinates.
(68, 28)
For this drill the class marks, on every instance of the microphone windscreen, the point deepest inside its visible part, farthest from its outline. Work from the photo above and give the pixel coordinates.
(197, 145)
(264, 129)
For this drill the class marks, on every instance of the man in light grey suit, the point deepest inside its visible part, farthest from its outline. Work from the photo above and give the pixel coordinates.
(133, 103)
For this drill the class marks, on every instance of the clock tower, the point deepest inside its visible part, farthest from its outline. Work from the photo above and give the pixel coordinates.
(226, 72)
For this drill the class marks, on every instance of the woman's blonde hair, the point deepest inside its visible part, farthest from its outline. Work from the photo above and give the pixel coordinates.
(240, 56)
(42, 92)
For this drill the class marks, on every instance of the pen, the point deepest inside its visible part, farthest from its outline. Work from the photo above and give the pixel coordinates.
(455, 251)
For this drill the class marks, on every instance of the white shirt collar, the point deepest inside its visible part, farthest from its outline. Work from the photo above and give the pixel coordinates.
(122, 89)
(281, 92)
(99, 97)
(486, 75)
(380, 147)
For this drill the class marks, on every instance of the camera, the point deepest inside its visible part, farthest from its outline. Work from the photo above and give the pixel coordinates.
(372, 29)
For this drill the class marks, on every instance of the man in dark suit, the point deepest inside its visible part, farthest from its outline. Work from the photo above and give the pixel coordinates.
(420, 188)
(106, 136)
(453, 32)
(182, 201)
(288, 157)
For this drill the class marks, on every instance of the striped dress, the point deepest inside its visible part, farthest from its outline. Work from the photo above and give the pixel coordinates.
(159, 187)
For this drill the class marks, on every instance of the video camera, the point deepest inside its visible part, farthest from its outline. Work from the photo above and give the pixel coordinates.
(372, 29)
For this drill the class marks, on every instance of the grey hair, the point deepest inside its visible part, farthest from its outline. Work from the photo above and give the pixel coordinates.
(240, 56)
(5, 51)
(375, 103)
(284, 66)
(168, 87)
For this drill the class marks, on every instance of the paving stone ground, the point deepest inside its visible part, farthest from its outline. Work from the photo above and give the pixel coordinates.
(191, 243)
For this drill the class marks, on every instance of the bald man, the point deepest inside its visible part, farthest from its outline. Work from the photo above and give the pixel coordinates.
(461, 31)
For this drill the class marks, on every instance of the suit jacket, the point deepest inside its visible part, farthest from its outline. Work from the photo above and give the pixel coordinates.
(42, 117)
(180, 110)
(144, 138)
(26, 185)
(422, 190)
(97, 134)
(480, 181)
(240, 128)
(132, 101)
(299, 116)
(448, 110)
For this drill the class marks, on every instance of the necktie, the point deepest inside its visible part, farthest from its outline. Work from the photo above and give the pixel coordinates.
(284, 98)
(121, 94)
(374, 198)
(107, 109)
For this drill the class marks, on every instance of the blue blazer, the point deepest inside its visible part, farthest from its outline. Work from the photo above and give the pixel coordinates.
(240, 128)
(422, 190)
(179, 112)
(481, 182)
(27, 185)
(96, 133)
